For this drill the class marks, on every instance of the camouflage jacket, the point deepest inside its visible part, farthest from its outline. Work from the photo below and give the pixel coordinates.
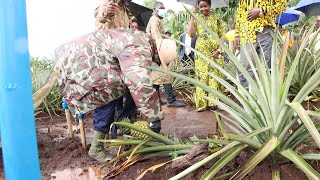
(96, 68)
(156, 30)
(121, 19)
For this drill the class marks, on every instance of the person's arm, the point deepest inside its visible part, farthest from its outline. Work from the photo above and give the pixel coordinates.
(275, 8)
(156, 28)
(192, 28)
(104, 12)
(156, 31)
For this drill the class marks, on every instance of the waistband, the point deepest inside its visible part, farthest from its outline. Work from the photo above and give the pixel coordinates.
(266, 29)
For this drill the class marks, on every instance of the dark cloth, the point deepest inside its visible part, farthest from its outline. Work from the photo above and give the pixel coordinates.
(126, 110)
(129, 109)
(119, 107)
(170, 93)
(103, 116)
(168, 90)
(157, 88)
(182, 56)
(187, 59)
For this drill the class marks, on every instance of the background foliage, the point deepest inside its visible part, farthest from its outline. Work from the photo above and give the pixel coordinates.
(41, 70)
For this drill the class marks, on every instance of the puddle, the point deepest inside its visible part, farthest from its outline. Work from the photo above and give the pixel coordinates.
(90, 173)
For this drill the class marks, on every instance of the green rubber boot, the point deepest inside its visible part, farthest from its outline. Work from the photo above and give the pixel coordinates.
(96, 150)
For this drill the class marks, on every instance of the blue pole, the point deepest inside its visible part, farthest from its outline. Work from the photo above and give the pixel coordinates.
(18, 134)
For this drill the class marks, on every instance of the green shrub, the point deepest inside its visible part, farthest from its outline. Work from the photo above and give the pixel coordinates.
(41, 71)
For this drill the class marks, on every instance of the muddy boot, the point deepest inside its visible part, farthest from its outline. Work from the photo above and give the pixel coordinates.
(96, 150)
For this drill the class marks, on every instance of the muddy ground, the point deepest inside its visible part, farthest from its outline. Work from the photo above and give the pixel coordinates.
(58, 151)
(62, 157)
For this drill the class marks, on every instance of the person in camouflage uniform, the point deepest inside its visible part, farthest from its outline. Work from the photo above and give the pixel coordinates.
(112, 14)
(156, 30)
(95, 71)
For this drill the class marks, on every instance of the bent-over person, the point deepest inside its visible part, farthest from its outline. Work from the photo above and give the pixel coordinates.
(95, 71)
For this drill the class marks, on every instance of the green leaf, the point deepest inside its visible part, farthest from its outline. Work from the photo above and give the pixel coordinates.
(223, 161)
(120, 142)
(209, 158)
(223, 132)
(263, 152)
(313, 113)
(156, 149)
(246, 140)
(252, 106)
(233, 125)
(311, 156)
(307, 121)
(139, 145)
(302, 137)
(301, 163)
(164, 154)
(157, 136)
(214, 141)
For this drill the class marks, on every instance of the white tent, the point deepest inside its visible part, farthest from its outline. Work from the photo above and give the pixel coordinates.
(214, 3)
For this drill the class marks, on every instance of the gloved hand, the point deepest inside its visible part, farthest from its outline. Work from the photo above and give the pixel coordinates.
(155, 126)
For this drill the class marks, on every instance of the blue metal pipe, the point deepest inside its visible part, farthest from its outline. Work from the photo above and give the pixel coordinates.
(18, 134)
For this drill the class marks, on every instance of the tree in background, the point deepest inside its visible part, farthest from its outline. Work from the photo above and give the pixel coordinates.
(176, 21)
(149, 3)
(228, 14)
(173, 24)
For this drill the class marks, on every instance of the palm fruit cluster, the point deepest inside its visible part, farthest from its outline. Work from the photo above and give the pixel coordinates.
(134, 133)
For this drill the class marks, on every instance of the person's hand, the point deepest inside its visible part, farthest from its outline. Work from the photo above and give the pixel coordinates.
(194, 10)
(216, 54)
(253, 14)
(110, 9)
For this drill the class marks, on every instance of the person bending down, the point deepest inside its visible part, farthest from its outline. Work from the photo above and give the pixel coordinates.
(95, 71)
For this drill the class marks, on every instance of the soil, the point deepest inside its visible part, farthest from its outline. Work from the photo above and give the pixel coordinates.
(62, 157)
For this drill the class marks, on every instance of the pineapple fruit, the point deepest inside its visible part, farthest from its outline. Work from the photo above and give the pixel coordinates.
(134, 133)
(142, 124)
